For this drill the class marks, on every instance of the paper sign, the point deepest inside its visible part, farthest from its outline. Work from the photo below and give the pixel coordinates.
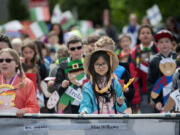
(76, 94)
(44, 88)
(53, 100)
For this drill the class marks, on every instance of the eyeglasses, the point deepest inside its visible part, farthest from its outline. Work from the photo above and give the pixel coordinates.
(6, 60)
(74, 48)
(100, 65)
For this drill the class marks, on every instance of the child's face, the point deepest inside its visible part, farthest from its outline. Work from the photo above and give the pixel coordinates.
(8, 65)
(92, 46)
(101, 67)
(165, 45)
(75, 50)
(125, 43)
(145, 36)
(53, 40)
(44, 52)
(28, 53)
(56, 29)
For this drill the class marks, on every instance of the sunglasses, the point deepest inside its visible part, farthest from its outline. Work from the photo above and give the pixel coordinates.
(6, 60)
(74, 48)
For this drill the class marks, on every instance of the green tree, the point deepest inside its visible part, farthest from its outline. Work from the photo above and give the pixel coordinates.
(90, 10)
(120, 9)
(17, 10)
(52, 3)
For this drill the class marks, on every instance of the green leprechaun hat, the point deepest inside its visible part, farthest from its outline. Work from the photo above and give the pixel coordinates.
(74, 65)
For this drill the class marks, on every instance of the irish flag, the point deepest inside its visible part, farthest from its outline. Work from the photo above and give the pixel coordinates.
(86, 27)
(39, 29)
(36, 29)
(40, 14)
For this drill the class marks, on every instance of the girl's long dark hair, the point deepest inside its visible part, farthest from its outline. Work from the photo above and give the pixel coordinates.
(95, 76)
(61, 34)
(91, 69)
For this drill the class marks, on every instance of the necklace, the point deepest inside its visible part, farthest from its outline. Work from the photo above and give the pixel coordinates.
(5, 87)
(101, 91)
(7, 92)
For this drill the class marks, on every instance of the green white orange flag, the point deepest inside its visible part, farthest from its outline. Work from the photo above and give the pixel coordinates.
(35, 30)
(40, 14)
(85, 27)
(39, 29)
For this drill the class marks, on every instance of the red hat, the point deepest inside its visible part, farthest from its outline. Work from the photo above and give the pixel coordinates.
(162, 34)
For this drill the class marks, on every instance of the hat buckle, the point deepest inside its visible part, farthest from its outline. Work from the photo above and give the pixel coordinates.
(75, 66)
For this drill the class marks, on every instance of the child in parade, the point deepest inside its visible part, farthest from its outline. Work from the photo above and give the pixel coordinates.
(17, 92)
(43, 71)
(17, 44)
(46, 55)
(123, 51)
(141, 55)
(160, 70)
(52, 44)
(62, 55)
(91, 40)
(66, 77)
(30, 67)
(102, 94)
(56, 27)
(122, 74)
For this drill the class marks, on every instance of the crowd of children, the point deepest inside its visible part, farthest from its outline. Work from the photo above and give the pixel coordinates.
(92, 76)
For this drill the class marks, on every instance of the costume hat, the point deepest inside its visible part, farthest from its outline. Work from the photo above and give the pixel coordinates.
(162, 34)
(74, 65)
(113, 59)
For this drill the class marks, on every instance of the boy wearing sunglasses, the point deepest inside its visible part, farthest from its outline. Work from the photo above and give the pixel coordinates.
(62, 81)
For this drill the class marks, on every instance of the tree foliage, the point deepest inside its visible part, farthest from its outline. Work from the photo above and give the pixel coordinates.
(17, 10)
(90, 10)
(52, 3)
(120, 9)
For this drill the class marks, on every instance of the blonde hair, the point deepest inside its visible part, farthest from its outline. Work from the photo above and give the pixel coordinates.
(62, 51)
(51, 34)
(104, 41)
(92, 38)
(16, 57)
(124, 36)
(16, 41)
